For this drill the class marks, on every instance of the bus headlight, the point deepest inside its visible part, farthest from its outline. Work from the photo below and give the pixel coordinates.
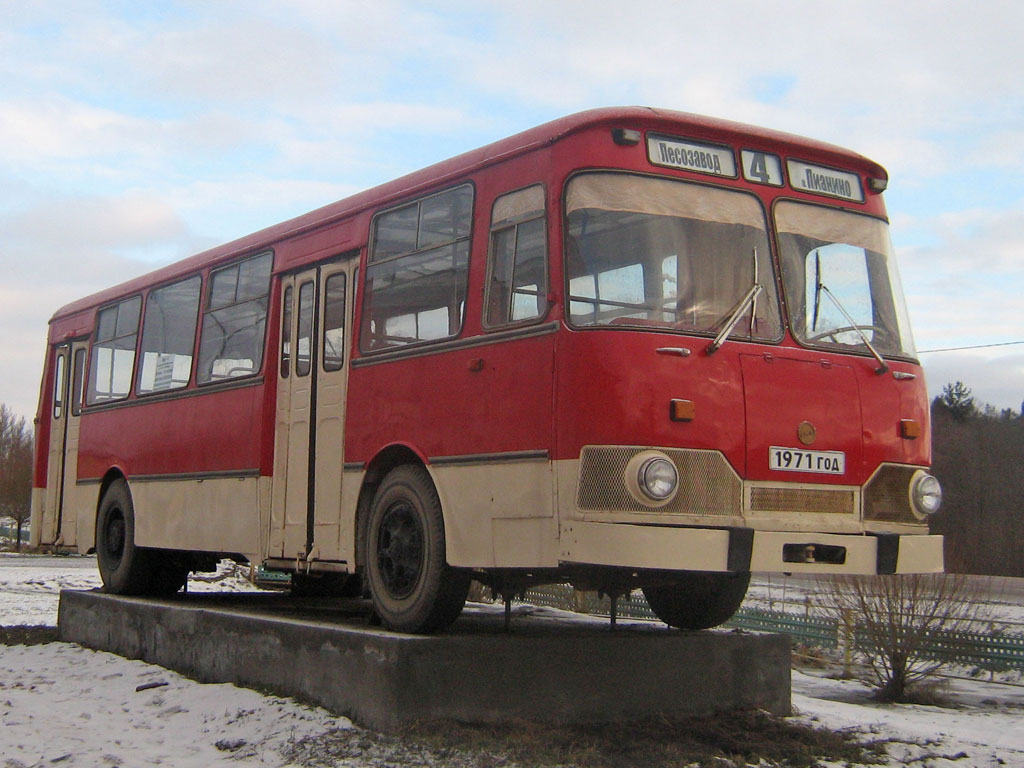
(925, 494)
(657, 478)
(651, 478)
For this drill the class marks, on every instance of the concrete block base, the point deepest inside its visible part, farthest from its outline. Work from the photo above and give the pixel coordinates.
(549, 669)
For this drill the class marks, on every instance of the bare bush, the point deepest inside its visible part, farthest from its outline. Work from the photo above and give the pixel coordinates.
(899, 623)
(15, 469)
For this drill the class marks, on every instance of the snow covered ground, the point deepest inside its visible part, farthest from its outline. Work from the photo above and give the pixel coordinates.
(63, 705)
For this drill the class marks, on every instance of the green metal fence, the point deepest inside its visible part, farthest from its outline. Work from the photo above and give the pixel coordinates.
(993, 651)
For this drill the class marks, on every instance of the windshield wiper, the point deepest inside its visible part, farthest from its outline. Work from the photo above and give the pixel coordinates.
(749, 300)
(817, 290)
(882, 365)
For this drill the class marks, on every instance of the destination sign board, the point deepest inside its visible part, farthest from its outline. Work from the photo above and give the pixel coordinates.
(690, 156)
(825, 181)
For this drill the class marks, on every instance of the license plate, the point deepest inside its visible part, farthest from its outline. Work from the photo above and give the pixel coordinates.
(799, 460)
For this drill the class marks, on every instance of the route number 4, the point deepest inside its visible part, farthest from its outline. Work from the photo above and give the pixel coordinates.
(762, 168)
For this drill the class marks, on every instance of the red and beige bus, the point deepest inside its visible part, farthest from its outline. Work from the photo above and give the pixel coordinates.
(628, 349)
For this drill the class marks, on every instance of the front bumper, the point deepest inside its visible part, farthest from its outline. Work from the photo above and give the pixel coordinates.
(743, 549)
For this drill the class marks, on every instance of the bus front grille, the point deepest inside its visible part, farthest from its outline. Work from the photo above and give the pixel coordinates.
(839, 501)
(887, 495)
(707, 484)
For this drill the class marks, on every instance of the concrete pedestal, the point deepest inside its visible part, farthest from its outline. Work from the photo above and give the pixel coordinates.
(550, 669)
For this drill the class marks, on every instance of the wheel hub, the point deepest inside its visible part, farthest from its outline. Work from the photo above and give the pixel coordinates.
(115, 536)
(400, 550)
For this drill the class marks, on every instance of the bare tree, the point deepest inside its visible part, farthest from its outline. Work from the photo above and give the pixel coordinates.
(15, 469)
(898, 622)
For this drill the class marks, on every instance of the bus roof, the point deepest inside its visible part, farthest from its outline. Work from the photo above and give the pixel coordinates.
(714, 129)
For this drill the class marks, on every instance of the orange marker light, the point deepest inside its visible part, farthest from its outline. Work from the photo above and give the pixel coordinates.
(910, 429)
(682, 410)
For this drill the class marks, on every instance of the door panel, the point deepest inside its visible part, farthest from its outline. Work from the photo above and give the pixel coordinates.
(72, 499)
(55, 456)
(297, 477)
(331, 384)
(60, 512)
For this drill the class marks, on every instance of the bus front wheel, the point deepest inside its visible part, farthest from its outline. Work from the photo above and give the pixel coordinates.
(698, 600)
(125, 568)
(413, 587)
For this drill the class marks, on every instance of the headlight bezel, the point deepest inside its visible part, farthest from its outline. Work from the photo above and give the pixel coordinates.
(645, 471)
(925, 494)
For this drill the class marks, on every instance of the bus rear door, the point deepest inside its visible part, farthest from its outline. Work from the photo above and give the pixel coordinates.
(60, 516)
(312, 385)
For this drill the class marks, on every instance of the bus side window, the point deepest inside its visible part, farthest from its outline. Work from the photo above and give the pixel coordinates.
(334, 322)
(417, 272)
(286, 334)
(168, 336)
(304, 336)
(517, 283)
(231, 341)
(113, 351)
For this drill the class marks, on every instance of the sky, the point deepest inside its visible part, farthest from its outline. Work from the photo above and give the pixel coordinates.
(135, 134)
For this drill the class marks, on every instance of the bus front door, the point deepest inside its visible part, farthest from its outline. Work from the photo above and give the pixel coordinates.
(312, 384)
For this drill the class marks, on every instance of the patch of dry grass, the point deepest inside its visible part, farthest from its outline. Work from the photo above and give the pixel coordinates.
(738, 738)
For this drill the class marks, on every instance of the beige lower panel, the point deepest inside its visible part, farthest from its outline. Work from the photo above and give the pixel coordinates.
(218, 514)
(86, 501)
(498, 514)
(920, 554)
(640, 546)
(351, 484)
(524, 542)
(36, 512)
(80, 505)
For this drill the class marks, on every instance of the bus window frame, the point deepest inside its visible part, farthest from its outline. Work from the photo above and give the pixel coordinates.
(200, 305)
(346, 303)
(735, 184)
(830, 204)
(204, 309)
(60, 366)
(365, 302)
(130, 395)
(79, 373)
(543, 293)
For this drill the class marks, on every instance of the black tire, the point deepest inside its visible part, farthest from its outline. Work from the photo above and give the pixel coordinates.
(698, 600)
(412, 586)
(125, 568)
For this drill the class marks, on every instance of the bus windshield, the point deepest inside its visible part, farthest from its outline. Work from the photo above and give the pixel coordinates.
(654, 252)
(841, 281)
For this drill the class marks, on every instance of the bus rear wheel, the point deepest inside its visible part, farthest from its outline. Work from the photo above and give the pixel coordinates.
(698, 600)
(413, 587)
(124, 568)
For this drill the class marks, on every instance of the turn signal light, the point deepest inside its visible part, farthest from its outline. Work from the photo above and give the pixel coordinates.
(910, 429)
(682, 410)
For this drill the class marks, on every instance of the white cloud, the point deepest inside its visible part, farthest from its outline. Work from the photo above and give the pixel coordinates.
(54, 127)
(81, 224)
(972, 245)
